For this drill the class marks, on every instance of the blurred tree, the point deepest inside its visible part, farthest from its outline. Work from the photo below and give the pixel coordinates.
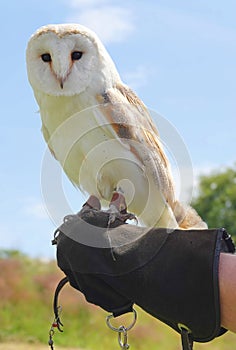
(216, 199)
(11, 254)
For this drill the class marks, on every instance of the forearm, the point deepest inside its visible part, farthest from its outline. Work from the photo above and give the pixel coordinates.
(227, 284)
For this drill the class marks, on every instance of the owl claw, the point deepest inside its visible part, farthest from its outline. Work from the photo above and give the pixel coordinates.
(92, 203)
(118, 209)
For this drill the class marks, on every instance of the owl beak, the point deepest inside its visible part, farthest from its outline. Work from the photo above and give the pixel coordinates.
(62, 78)
(61, 83)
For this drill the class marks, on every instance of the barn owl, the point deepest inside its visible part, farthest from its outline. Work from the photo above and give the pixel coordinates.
(98, 129)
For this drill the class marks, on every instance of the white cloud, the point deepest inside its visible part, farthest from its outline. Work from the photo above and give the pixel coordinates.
(186, 183)
(207, 169)
(211, 168)
(177, 23)
(34, 208)
(137, 78)
(86, 3)
(111, 23)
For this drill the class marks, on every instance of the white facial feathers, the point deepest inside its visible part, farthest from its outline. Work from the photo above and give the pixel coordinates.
(67, 59)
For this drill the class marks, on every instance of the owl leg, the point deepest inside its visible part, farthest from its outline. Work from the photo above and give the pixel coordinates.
(92, 203)
(118, 208)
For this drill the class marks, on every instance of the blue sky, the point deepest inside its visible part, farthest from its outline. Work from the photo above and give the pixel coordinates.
(179, 56)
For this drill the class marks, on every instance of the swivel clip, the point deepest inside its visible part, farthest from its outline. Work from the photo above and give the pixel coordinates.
(122, 330)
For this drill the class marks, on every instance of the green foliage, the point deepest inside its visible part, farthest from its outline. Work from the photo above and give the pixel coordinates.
(10, 253)
(216, 200)
(26, 291)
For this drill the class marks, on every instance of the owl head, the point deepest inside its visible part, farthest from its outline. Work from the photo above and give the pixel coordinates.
(67, 59)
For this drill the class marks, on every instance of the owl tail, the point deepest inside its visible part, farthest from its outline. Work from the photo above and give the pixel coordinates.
(187, 217)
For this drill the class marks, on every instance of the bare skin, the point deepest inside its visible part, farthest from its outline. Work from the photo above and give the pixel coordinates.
(227, 284)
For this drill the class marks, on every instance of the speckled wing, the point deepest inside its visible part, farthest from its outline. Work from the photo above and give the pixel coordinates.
(130, 123)
(133, 126)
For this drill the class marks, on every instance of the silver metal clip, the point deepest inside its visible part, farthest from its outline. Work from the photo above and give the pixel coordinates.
(122, 330)
(123, 343)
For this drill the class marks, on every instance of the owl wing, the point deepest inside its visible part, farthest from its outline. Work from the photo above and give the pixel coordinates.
(46, 136)
(132, 124)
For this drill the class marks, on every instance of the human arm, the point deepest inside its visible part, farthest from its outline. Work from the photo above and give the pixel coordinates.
(227, 285)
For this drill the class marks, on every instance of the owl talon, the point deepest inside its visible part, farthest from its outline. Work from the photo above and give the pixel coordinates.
(92, 203)
(118, 209)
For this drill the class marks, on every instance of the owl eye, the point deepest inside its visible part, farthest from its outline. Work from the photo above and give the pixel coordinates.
(46, 57)
(76, 55)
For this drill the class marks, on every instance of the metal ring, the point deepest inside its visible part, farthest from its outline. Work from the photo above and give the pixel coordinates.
(182, 326)
(109, 317)
(123, 344)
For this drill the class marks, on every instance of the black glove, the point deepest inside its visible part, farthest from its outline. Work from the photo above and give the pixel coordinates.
(172, 276)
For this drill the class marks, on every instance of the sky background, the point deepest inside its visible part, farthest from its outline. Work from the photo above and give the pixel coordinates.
(179, 57)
